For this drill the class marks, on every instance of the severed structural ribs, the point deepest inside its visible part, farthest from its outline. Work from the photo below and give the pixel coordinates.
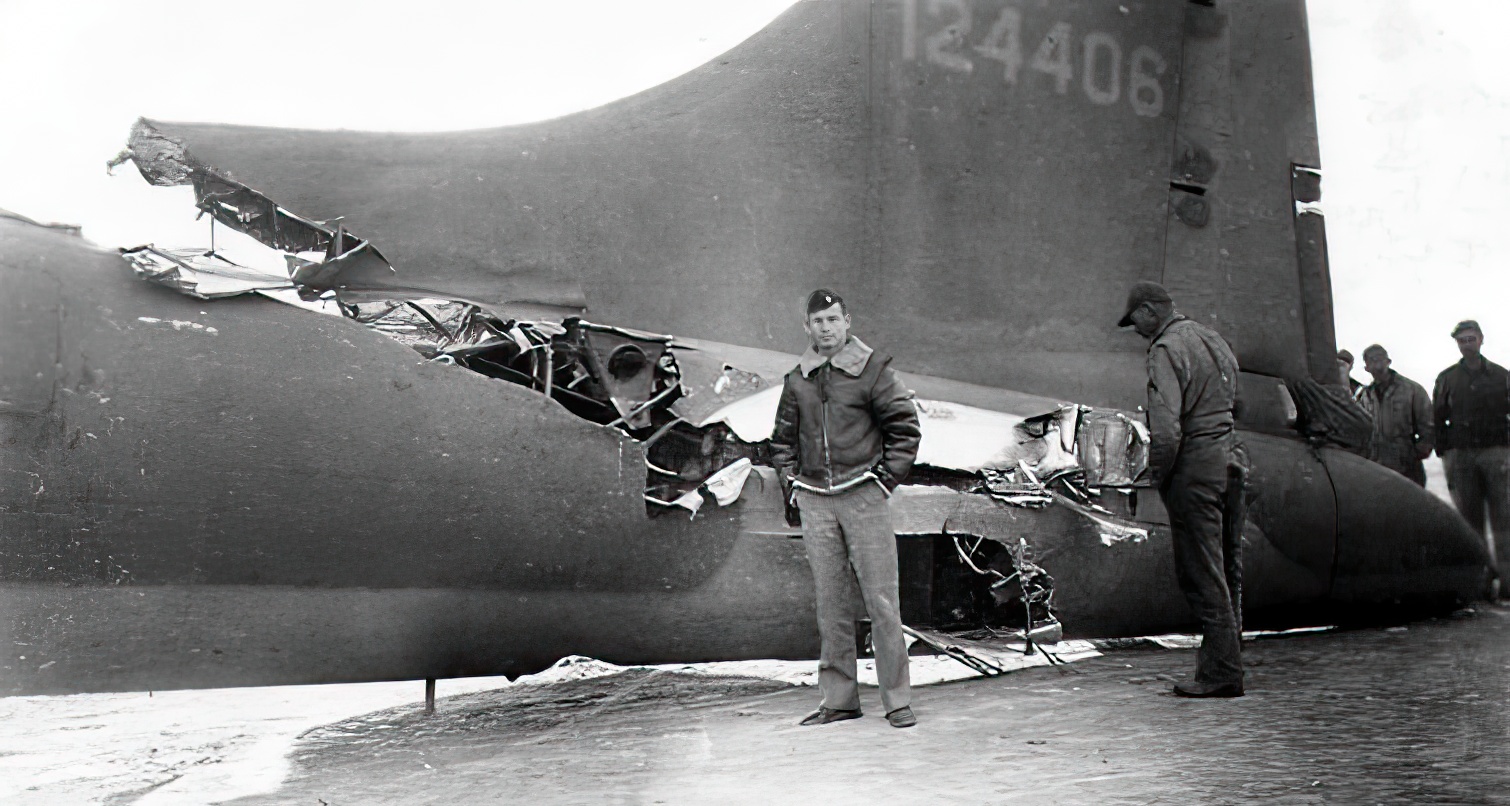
(704, 424)
(612, 376)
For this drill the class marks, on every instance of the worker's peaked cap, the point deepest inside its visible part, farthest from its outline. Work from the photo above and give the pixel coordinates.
(1142, 291)
(1467, 324)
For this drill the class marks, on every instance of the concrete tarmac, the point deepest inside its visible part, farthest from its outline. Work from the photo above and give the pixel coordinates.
(1414, 714)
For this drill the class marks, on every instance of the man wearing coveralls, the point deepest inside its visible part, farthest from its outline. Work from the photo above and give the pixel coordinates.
(1199, 466)
(846, 435)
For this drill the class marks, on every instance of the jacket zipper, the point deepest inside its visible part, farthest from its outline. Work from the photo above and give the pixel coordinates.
(828, 461)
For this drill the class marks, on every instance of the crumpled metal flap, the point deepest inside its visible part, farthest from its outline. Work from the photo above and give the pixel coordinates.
(219, 156)
(199, 274)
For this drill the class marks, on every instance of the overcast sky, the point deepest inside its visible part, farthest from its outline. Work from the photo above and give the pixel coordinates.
(1413, 101)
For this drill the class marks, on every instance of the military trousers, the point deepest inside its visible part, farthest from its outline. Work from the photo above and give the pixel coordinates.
(1479, 479)
(851, 544)
(1204, 497)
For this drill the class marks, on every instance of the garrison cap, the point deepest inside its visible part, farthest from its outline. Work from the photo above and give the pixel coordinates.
(1467, 324)
(822, 299)
(1142, 291)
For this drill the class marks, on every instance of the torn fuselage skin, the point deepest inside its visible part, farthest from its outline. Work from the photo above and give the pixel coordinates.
(993, 587)
(632, 381)
(320, 257)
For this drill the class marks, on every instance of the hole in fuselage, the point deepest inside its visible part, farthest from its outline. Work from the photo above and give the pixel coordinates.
(940, 591)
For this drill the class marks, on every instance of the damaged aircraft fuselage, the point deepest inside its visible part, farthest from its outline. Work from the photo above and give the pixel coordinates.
(241, 492)
(203, 491)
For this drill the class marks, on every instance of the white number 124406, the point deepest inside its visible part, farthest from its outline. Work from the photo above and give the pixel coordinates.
(1101, 55)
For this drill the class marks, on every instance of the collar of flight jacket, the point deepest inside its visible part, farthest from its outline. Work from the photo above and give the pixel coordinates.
(851, 359)
(1380, 387)
(1154, 339)
(1484, 365)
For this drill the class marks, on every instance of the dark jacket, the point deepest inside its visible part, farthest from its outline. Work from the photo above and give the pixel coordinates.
(842, 417)
(1192, 384)
(1402, 422)
(1471, 407)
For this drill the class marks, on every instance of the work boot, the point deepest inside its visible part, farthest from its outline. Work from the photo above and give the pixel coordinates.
(902, 717)
(1209, 689)
(823, 716)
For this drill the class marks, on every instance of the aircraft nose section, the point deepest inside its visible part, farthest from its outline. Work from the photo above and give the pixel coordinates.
(1396, 542)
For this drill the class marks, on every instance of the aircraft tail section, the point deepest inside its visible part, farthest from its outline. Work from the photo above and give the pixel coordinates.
(981, 179)
(1245, 249)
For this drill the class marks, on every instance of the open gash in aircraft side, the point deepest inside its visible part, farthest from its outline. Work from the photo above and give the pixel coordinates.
(490, 398)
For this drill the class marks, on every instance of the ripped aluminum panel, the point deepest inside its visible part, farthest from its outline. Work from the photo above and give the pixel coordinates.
(1113, 449)
(692, 501)
(433, 326)
(955, 436)
(245, 210)
(959, 437)
(352, 264)
(1020, 488)
(1111, 529)
(624, 332)
(199, 273)
(314, 257)
(727, 484)
(945, 644)
(752, 418)
(163, 161)
(325, 256)
(709, 384)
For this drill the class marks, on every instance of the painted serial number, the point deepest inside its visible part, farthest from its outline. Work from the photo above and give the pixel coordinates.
(1102, 65)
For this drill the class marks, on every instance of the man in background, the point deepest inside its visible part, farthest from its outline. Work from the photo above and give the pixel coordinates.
(1403, 427)
(1345, 366)
(1472, 404)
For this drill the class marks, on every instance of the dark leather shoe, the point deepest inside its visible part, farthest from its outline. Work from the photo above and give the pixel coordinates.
(902, 717)
(1209, 690)
(823, 716)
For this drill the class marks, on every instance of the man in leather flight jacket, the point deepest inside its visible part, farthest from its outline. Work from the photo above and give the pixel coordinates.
(1402, 414)
(846, 435)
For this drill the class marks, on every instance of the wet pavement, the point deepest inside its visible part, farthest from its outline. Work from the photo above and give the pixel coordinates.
(1400, 715)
